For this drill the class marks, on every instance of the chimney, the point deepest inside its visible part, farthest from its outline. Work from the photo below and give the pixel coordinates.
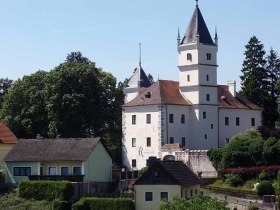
(232, 87)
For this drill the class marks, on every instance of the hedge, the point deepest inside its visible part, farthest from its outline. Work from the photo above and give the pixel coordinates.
(46, 190)
(104, 204)
(265, 188)
(61, 205)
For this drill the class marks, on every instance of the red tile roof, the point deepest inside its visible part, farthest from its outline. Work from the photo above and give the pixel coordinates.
(162, 92)
(165, 92)
(227, 101)
(6, 135)
(171, 146)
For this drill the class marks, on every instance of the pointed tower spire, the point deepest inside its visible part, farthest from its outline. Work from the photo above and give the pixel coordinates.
(216, 36)
(140, 55)
(196, 3)
(178, 39)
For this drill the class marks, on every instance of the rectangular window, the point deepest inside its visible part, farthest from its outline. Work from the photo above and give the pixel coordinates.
(253, 122)
(171, 140)
(148, 141)
(195, 191)
(41, 170)
(171, 118)
(212, 126)
(77, 171)
(148, 196)
(133, 142)
(183, 119)
(204, 115)
(227, 140)
(64, 171)
(191, 193)
(205, 136)
(237, 121)
(189, 56)
(208, 56)
(207, 77)
(52, 170)
(226, 120)
(148, 118)
(133, 119)
(183, 141)
(22, 171)
(207, 97)
(188, 78)
(133, 163)
(164, 196)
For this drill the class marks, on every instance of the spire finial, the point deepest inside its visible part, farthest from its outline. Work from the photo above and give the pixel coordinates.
(178, 33)
(196, 3)
(140, 54)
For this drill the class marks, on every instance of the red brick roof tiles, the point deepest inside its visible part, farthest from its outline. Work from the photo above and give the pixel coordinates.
(6, 135)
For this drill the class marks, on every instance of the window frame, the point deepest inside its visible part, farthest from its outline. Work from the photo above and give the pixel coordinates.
(74, 172)
(133, 142)
(188, 78)
(189, 56)
(165, 197)
(148, 198)
(207, 97)
(52, 167)
(148, 118)
(253, 121)
(171, 118)
(149, 141)
(208, 56)
(237, 121)
(204, 115)
(133, 120)
(133, 163)
(183, 118)
(183, 140)
(171, 138)
(22, 171)
(226, 121)
(67, 169)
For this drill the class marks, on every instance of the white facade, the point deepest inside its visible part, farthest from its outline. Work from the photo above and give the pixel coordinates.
(207, 122)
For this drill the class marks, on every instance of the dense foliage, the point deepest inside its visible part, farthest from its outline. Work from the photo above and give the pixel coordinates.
(104, 204)
(61, 205)
(75, 99)
(259, 77)
(198, 203)
(5, 85)
(12, 201)
(265, 188)
(61, 190)
(233, 180)
(245, 150)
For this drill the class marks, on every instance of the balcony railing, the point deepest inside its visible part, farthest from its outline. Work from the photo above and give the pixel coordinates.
(71, 178)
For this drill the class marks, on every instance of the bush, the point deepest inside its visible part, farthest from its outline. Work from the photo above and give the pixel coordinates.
(233, 180)
(252, 207)
(265, 188)
(104, 204)
(61, 205)
(46, 190)
(263, 175)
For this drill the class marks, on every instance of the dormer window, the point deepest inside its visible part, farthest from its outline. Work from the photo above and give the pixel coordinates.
(208, 56)
(189, 56)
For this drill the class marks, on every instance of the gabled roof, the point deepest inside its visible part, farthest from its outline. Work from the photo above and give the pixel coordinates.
(179, 172)
(6, 135)
(197, 26)
(52, 149)
(162, 92)
(227, 101)
(139, 79)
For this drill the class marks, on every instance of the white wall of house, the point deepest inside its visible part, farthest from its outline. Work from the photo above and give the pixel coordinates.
(245, 116)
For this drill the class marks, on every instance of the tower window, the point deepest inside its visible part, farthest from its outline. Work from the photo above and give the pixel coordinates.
(226, 120)
(133, 142)
(208, 56)
(237, 121)
(212, 126)
(204, 115)
(205, 136)
(207, 97)
(183, 141)
(148, 118)
(188, 78)
(227, 140)
(183, 119)
(171, 118)
(133, 119)
(171, 140)
(189, 56)
(149, 142)
(207, 77)
(253, 122)
(133, 163)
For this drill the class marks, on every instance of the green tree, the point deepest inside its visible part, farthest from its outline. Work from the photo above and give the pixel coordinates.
(24, 106)
(5, 85)
(198, 203)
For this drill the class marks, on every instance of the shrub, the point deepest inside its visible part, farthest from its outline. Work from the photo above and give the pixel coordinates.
(104, 204)
(263, 175)
(46, 190)
(252, 207)
(233, 180)
(265, 188)
(61, 205)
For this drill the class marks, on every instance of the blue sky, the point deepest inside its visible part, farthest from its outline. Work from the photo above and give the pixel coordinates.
(39, 34)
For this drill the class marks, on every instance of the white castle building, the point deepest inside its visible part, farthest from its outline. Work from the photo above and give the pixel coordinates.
(195, 113)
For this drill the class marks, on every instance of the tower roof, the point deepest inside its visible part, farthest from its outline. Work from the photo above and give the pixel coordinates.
(139, 79)
(197, 27)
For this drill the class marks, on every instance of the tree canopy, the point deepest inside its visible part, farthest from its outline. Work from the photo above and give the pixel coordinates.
(75, 99)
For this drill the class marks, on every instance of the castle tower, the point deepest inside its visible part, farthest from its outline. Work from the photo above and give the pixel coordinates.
(198, 80)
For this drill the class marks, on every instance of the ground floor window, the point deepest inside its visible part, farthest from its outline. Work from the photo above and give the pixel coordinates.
(64, 171)
(164, 196)
(77, 171)
(52, 170)
(22, 171)
(148, 196)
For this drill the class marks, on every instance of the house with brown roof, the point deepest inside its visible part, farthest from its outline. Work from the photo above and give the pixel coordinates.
(195, 112)
(162, 181)
(7, 141)
(76, 160)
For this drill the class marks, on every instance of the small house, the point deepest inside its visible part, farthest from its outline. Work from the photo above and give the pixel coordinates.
(162, 181)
